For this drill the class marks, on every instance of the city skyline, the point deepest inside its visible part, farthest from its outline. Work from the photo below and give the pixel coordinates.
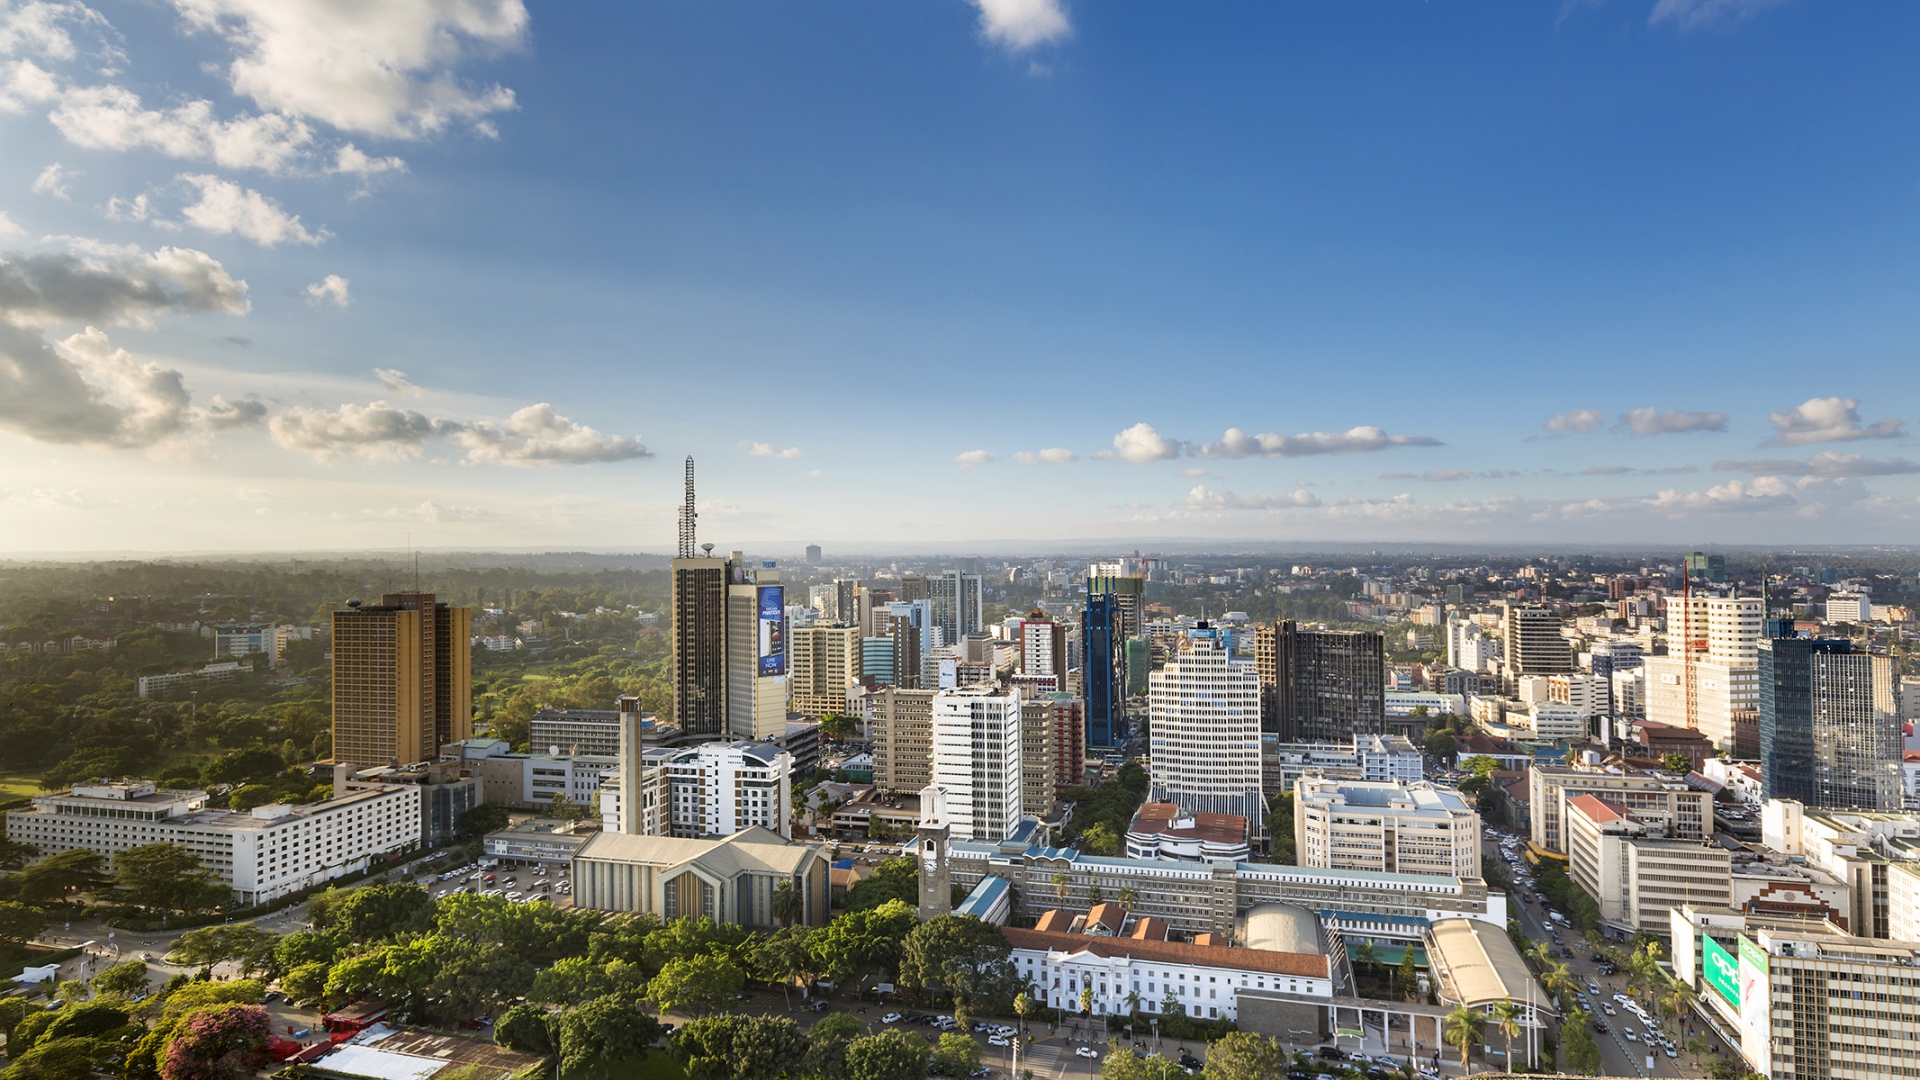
(1629, 272)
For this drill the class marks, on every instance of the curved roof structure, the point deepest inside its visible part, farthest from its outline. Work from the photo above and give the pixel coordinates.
(1282, 928)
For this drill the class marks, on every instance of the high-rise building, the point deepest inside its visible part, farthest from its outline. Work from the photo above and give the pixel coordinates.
(826, 660)
(909, 631)
(1052, 728)
(957, 604)
(913, 587)
(1129, 592)
(1320, 685)
(1533, 644)
(1101, 675)
(902, 731)
(976, 758)
(813, 554)
(876, 659)
(1829, 723)
(700, 645)
(718, 789)
(1043, 650)
(1704, 567)
(402, 679)
(757, 652)
(1204, 720)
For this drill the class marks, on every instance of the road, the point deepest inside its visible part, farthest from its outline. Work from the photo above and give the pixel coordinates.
(1618, 1056)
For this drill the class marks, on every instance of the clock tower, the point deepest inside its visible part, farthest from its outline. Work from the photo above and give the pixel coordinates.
(936, 878)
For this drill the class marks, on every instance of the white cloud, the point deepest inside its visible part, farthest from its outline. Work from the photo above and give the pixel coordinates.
(537, 435)
(1652, 421)
(138, 208)
(1018, 25)
(352, 161)
(1194, 473)
(1141, 443)
(973, 459)
(45, 27)
(1203, 498)
(1762, 493)
(83, 390)
(1055, 455)
(103, 283)
(331, 289)
(1692, 14)
(761, 449)
(53, 181)
(533, 436)
(1832, 419)
(1827, 463)
(24, 83)
(433, 512)
(380, 69)
(1578, 421)
(1238, 444)
(396, 382)
(112, 118)
(227, 208)
(8, 227)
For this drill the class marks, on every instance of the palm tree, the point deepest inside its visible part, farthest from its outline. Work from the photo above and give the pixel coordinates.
(1128, 896)
(1542, 953)
(1558, 979)
(1133, 1004)
(1022, 1007)
(1463, 1028)
(1086, 1001)
(1506, 1017)
(1060, 885)
(1677, 998)
(788, 904)
(1363, 954)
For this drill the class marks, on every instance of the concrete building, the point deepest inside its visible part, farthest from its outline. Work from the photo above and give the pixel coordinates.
(1550, 721)
(958, 605)
(1396, 828)
(1686, 812)
(1382, 758)
(246, 639)
(261, 854)
(1587, 695)
(1849, 608)
(1476, 966)
(1204, 710)
(902, 732)
(733, 880)
(1052, 734)
(1043, 651)
(582, 731)
(1164, 832)
(826, 660)
(1320, 685)
(402, 679)
(976, 758)
(756, 636)
(718, 789)
(1858, 847)
(1634, 872)
(1532, 643)
(540, 841)
(1206, 981)
(447, 791)
(699, 635)
(530, 781)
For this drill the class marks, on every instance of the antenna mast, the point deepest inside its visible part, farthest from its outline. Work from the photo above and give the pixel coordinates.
(687, 517)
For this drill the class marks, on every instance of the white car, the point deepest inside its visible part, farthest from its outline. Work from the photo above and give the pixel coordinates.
(890, 1018)
(998, 1040)
(1620, 997)
(1608, 1006)
(1628, 1032)
(1085, 1052)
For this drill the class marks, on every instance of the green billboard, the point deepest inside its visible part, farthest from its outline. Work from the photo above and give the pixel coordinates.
(1720, 971)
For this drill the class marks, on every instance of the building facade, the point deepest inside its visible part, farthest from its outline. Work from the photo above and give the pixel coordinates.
(1204, 711)
(402, 679)
(1634, 873)
(734, 880)
(718, 789)
(1320, 685)
(1685, 812)
(902, 733)
(699, 660)
(826, 660)
(1830, 734)
(1395, 827)
(976, 758)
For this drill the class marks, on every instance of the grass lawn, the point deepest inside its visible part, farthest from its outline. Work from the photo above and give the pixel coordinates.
(655, 1066)
(18, 787)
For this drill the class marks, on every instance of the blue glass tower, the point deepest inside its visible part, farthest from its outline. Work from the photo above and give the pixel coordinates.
(1102, 671)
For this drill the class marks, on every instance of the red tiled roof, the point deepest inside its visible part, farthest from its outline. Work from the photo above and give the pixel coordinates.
(1055, 921)
(1306, 965)
(1110, 915)
(1149, 928)
(1598, 809)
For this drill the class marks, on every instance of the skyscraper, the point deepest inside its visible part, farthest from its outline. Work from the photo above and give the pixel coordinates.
(1829, 723)
(699, 630)
(756, 637)
(402, 679)
(1204, 725)
(957, 602)
(1102, 676)
(1320, 685)
(1533, 643)
(1043, 650)
(826, 660)
(976, 757)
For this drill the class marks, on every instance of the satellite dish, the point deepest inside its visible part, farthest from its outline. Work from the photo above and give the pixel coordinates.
(354, 603)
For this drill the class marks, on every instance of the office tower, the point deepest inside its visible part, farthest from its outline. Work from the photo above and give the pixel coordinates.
(1841, 608)
(1320, 685)
(902, 732)
(843, 609)
(876, 660)
(1710, 674)
(1392, 827)
(699, 630)
(1129, 591)
(1704, 567)
(757, 652)
(913, 587)
(1532, 642)
(1043, 650)
(909, 627)
(718, 789)
(826, 660)
(1684, 812)
(1056, 720)
(1829, 724)
(402, 679)
(1459, 631)
(1204, 721)
(957, 603)
(1139, 662)
(1100, 671)
(813, 554)
(976, 758)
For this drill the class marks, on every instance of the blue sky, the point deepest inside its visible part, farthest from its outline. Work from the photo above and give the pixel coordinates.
(310, 274)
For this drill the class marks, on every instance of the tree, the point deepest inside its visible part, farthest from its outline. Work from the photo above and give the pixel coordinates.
(956, 1055)
(1242, 1055)
(125, 980)
(524, 1028)
(1059, 884)
(1100, 839)
(783, 956)
(483, 819)
(741, 1047)
(604, 1030)
(163, 876)
(1480, 765)
(250, 946)
(52, 878)
(890, 1055)
(862, 943)
(696, 984)
(1558, 979)
(834, 727)
(960, 954)
(1409, 973)
(218, 1044)
(1464, 1028)
(1577, 1044)
(376, 912)
(893, 879)
(1441, 745)
(1023, 1007)
(788, 903)
(305, 983)
(204, 994)
(20, 923)
(564, 808)
(1506, 1017)
(61, 1059)
(1365, 955)
(577, 980)
(1676, 762)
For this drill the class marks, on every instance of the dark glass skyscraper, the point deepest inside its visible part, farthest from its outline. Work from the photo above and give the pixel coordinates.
(1829, 729)
(1320, 685)
(1102, 671)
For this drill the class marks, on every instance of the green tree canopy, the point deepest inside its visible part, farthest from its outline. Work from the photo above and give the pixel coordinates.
(524, 1028)
(740, 1048)
(58, 875)
(1100, 839)
(960, 954)
(890, 1055)
(956, 1055)
(375, 912)
(20, 923)
(166, 876)
(126, 979)
(893, 879)
(483, 819)
(696, 984)
(603, 1031)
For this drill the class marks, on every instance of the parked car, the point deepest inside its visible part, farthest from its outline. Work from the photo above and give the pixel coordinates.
(890, 1018)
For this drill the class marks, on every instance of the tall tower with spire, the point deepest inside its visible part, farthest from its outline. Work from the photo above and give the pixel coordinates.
(700, 584)
(688, 516)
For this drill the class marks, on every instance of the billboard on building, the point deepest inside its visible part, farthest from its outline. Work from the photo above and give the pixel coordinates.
(772, 614)
(1719, 969)
(1756, 1020)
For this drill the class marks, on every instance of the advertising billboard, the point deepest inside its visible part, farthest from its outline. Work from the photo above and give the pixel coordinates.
(772, 616)
(1718, 968)
(1756, 1020)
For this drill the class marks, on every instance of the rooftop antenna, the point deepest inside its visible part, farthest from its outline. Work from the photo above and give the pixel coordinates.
(688, 516)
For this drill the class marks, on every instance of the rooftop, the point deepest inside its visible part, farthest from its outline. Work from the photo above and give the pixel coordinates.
(754, 848)
(1479, 964)
(1301, 965)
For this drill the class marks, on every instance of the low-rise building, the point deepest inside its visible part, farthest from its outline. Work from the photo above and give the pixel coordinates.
(1162, 831)
(1686, 812)
(733, 880)
(1477, 966)
(447, 792)
(1634, 873)
(541, 841)
(530, 781)
(1398, 828)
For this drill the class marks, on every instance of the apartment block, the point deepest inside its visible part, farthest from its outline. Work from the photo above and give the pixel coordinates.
(1686, 813)
(1393, 827)
(826, 660)
(976, 758)
(902, 733)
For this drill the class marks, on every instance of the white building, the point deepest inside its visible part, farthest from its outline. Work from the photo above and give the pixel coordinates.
(1394, 828)
(1630, 693)
(1849, 608)
(1204, 711)
(530, 781)
(1585, 693)
(1711, 670)
(718, 789)
(1634, 872)
(1206, 980)
(261, 854)
(976, 757)
(246, 640)
(1043, 652)
(1552, 721)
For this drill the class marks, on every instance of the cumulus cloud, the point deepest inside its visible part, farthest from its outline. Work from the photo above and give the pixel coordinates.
(1141, 443)
(1832, 419)
(1694, 14)
(227, 208)
(395, 382)
(45, 27)
(24, 83)
(973, 459)
(1762, 493)
(372, 69)
(761, 449)
(1018, 25)
(1653, 421)
(53, 181)
(1578, 421)
(112, 118)
(1055, 455)
(103, 283)
(352, 161)
(534, 436)
(331, 289)
(9, 228)
(1203, 498)
(1238, 444)
(1826, 463)
(83, 390)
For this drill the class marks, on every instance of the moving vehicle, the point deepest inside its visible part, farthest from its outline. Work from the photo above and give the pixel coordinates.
(1085, 1052)
(890, 1018)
